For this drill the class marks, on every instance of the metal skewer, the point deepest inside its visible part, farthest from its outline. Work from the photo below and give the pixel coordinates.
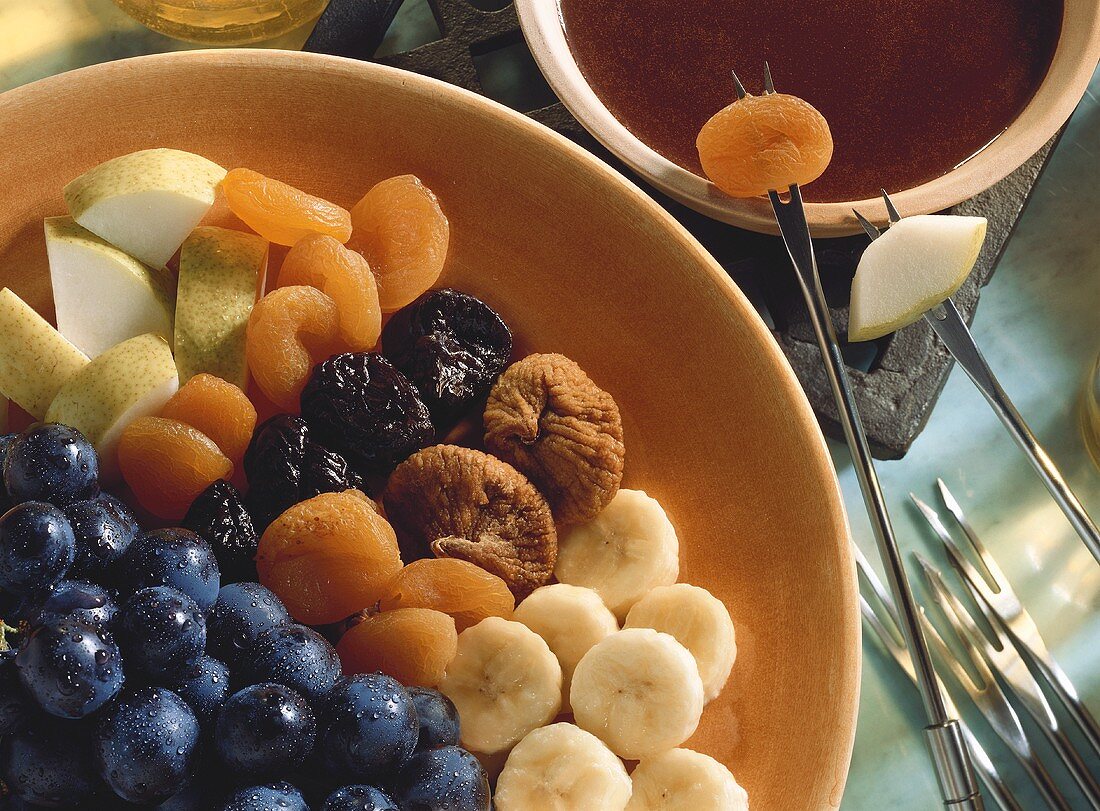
(943, 733)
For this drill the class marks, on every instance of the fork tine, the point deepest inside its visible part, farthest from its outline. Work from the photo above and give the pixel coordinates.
(872, 230)
(769, 86)
(893, 212)
(996, 577)
(958, 559)
(740, 88)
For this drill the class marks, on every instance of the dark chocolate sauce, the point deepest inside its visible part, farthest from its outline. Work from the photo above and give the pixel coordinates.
(911, 88)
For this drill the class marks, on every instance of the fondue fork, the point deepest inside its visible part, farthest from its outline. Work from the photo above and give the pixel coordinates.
(944, 735)
(947, 323)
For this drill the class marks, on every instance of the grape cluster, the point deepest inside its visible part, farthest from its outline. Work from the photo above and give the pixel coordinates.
(138, 679)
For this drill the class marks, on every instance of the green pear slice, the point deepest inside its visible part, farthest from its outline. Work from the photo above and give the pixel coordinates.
(221, 274)
(133, 379)
(145, 203)
(35, 360)
(918, 263)
(103, 296)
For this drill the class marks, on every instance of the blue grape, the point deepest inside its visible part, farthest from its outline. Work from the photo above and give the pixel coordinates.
(296, 656)
(15, 704)
(173, 557)
(37, 547)
(359, 798)
(74, 599)
(264, 730)
(104, 528)
(144, 745)
(162, 632)
(51, 463)
(48, 764)
(270, 797)
(242, 614)
(443, 779)
(205, 688)
(438, 718)
(70, 668)
(368, 728)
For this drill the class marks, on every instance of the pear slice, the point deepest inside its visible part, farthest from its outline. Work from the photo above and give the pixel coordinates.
(103, 296)
(221, 274)
(918, 263)
(35, 360)
(133, 379)
(145, 203)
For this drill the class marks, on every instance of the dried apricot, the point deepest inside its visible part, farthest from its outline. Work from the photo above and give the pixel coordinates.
(414, 645)
(328, 557)
(168, 464)
(400, 228)
(320, 261)
(217, 408)
(764, 142)
(281, 213)
(289, 331)
(456, 587)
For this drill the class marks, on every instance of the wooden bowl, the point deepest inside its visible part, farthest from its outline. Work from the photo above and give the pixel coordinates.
(1070, 71)
(578, 261)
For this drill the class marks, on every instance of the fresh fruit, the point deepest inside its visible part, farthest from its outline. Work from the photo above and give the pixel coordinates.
(71, 668)
(289, 331)
(265, 729)
(456, 587)
(221, 274)
(322, 262)
(145, 743)
(504, 681)
(401, 230)
(48, 765)
(295, 656)
(683, 780)
(53, 463)
(219, 516)
(37, 547)
(915, 265)
(760, 143)
(279, 796)
(103, 528)
(452, 347)
(281, 213)
(699, 621)
(35, 361)
(174, 557)
(131, 380)
(358, 798)
(168, 464)
(639, 692)
(442, 779)
(571, 619)
(162, 632)
(328, 557)
(91, 277)
(242, 614)
(622, 553)
(217, 408)
(361, 407)
(368, 728)
(414, 645)
(561, 767)
(76, 600)
(205, 689)
(438, 717)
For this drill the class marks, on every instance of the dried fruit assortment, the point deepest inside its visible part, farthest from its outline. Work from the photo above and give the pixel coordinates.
(361, 653)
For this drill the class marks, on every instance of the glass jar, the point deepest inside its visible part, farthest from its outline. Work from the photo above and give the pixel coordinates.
(223, 22)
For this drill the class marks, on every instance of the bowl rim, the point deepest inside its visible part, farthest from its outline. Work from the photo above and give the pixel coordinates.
(816, 457)
(543, 27)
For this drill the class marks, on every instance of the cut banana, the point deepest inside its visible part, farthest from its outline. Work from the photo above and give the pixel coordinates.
(562, 768)
(639, 692)
(683, 780)
(699, 621)
(622, 553)
(505, 681)
(571, 619)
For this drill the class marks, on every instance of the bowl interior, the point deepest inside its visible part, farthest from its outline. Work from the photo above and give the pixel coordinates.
(1074, 61)
(578, 261)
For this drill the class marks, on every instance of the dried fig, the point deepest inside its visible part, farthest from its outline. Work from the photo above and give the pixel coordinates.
(546, 417)
(461, 503)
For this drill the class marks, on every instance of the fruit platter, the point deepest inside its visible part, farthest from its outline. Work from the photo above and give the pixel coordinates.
(328, 488)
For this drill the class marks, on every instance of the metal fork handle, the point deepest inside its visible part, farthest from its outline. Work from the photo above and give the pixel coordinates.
(1067, 694)
(950, 757)
(949, 325)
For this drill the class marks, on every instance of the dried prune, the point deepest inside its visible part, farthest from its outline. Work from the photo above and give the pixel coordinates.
(451, 346)
(360, 405)
(221, 518)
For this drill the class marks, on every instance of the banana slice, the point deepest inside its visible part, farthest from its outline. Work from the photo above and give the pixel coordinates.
(571, 619)
(683, 780)
(639, 692)
(562, 768)
(505, 681)
(622, 553)
(699, 621)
